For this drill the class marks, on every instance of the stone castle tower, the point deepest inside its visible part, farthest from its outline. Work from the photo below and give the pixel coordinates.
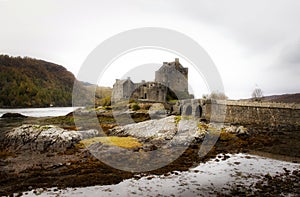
(175, 77)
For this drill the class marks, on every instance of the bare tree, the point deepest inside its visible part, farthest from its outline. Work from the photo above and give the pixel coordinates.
(257, 94)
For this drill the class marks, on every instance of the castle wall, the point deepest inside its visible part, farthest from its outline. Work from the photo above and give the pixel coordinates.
(269, 114)
(151, 91)
(246, 113)
(117, 92)
(122, 89)
(128, 88)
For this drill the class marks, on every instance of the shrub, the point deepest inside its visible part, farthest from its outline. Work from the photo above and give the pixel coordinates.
(135, 107)
(106, 101)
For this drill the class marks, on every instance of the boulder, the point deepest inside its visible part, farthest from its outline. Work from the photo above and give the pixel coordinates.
(242, 131)
(147, 129)
(230, 129)
(238, 130)
(161, 131)
(45, 138)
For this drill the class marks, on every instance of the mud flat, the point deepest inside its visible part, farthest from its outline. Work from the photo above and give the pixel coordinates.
(238, 174)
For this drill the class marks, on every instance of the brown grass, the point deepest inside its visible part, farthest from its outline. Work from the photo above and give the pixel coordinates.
(123, 142)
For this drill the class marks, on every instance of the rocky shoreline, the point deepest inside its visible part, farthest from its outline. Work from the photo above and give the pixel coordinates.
(43, 152)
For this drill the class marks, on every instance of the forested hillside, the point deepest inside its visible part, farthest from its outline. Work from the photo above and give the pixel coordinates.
(27, 82)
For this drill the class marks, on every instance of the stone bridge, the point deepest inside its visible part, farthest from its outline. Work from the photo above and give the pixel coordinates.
(191, 107)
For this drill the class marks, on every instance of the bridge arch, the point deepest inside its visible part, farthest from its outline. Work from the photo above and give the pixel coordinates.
(198, 111)
(188, 110)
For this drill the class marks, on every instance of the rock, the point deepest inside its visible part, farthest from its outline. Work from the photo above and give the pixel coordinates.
(161, 131)
(230, 129)
(157, 110)
(87, 134)
(13, 115)
(45, 138)
(96, 146)
(242, 130)
(157, 114)
(147, 129)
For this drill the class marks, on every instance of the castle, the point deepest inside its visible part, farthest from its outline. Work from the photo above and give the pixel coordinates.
(171, 82)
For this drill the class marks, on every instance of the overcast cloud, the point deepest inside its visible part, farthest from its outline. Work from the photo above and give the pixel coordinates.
(252, 42)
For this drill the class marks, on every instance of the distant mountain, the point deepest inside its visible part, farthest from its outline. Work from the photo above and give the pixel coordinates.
(285, 98)
(28, 82)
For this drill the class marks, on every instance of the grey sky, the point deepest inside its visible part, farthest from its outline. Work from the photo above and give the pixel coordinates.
(252, 42)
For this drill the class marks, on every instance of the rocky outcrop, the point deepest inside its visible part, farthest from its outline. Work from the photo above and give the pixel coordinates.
(161, 131)
(147, 129)
(238, 130)
(13, 115)
(174, 130)
(45, 138)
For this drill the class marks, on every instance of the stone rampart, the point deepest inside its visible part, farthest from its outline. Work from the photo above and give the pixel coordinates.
(241, 112)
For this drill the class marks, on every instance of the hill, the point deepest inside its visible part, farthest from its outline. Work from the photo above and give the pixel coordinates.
(284, 98)
(28, 82)
(102, 94)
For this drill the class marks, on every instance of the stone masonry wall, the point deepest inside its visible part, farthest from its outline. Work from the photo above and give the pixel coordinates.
(174, 79)
(269, 114)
